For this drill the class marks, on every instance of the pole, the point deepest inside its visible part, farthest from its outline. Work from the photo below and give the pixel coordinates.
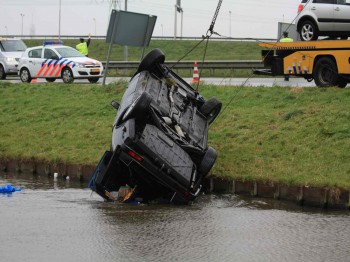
(22, 15)
(175, 22)
(59, 21)
(230, 22)
(126, 47)
(182, 18)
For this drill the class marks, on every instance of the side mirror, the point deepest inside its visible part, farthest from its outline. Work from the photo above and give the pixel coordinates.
(115, 104)
(54, 57)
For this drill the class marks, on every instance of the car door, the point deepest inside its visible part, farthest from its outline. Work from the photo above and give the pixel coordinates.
(324, 11)
(342, 15)
(34, 61)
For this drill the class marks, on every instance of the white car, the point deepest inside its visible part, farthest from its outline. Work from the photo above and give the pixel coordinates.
(323, 18)
(11, 50)
(54, 60)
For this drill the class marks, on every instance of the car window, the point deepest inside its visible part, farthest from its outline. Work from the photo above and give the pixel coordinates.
(35, 53)
(341, 2)
(324, 1)
(13, 46)
(68, 52)
(48, 53)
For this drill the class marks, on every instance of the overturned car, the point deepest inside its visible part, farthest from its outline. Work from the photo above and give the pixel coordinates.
(159, 139)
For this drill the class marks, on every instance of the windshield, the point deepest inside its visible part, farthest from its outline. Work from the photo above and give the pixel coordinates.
(68, 52)
(13, 46)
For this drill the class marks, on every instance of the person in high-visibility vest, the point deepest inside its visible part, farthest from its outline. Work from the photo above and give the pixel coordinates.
(285, 38)
(83, 47)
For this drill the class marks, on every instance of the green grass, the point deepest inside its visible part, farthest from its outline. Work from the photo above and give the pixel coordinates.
(291, 135)
(174, 50)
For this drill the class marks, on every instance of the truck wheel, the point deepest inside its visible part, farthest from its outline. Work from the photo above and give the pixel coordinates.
(139, 107)
(211, 109)
(2, 73)
(308, 31)
(67, 75)
(25, 75)
(326, 72)
(208, 161)
(156, 56)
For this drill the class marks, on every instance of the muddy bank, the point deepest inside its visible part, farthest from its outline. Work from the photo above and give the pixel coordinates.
(322, 197)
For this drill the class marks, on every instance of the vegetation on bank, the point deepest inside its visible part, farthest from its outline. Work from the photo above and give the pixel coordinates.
(174, 50)
(298, 136)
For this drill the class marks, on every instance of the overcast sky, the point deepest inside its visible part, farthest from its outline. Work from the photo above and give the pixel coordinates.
(249, 18)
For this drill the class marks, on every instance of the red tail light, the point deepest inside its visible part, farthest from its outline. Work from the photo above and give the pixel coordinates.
(300, 8)
(135, 156)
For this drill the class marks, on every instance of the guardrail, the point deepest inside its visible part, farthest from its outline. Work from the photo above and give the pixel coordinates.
(219, 64)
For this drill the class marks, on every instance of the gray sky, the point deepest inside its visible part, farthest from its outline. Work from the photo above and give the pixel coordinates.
(249, 18)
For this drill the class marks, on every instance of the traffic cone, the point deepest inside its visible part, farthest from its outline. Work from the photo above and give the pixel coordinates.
(34, 80)
(195, 79)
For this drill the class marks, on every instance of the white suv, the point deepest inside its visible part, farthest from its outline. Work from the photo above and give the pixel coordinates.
(323, 18)
(11, 49)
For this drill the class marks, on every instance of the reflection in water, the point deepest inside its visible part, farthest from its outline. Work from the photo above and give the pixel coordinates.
(59, 221)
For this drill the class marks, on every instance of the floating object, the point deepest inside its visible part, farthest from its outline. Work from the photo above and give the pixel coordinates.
(55, 175)
(9, 189)
(67, 177)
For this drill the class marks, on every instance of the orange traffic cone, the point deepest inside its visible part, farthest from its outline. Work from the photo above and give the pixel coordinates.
(195, 79)
(34, 80)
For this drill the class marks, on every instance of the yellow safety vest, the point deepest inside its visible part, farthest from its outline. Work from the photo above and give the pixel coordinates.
(82, 48)
(286, 39)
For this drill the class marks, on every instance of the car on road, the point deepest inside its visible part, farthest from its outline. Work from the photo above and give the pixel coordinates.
(330, 18)
(11, 50)
(53, 60)
(159, 138)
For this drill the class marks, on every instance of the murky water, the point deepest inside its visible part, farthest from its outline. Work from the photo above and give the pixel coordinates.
(61, 221)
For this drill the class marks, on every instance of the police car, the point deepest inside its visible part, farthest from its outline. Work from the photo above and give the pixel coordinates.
(53, 60)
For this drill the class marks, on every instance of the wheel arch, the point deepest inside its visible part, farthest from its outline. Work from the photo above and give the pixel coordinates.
(306, 18)
(318, 57)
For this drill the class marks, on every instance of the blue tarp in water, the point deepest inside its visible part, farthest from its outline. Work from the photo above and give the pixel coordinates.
(9, 189)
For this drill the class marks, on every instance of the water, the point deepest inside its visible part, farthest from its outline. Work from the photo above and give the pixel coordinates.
(61, 221)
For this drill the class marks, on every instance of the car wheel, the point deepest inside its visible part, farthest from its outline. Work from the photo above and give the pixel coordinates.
(139, 107)
(50, 80)
(67, 75)
(93, 80)
(154, 57)
(25, 75)
(211, 109)
(308, 31)
(326, 72)
(2, 73)
(207, 161)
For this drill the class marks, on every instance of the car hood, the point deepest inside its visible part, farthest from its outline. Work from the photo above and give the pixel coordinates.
(13, 54)
(84, 60)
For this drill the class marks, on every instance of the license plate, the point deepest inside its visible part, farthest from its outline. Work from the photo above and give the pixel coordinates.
(95, 70)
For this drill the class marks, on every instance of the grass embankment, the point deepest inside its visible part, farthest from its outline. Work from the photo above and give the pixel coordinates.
(294, 136)
(174, 50)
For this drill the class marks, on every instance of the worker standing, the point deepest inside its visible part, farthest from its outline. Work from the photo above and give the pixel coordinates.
(83, 47)
(285, 39)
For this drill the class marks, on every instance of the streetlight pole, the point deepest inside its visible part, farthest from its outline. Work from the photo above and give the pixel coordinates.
(22, 15)
(95, 24)
(230, 22)
(59, 21)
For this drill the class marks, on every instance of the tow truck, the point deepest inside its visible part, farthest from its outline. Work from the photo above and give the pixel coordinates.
(327, 62)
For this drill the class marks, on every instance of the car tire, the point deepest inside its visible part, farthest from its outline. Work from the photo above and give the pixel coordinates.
(326, 72)
(93, 80)
(2, 73)
(25, 75)
(211, 109)
(50, 80)
(208, 161)
(156, 56)
(139, 107)
(308, 31)
(67, 75)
